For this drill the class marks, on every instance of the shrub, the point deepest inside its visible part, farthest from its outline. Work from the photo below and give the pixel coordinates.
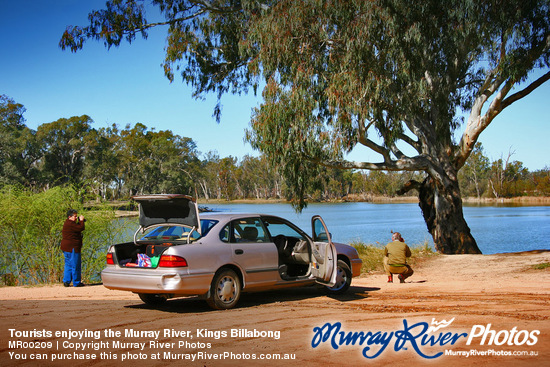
(30, 229)
(541, 266)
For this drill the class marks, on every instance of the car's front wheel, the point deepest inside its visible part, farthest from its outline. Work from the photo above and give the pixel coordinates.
(343, 279)
(152, 299)
(225, 290)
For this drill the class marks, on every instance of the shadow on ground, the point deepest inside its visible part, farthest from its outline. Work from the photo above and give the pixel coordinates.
(198, 305)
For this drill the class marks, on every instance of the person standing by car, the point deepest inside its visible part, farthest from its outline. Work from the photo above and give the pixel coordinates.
(395, 258)
(71, 245)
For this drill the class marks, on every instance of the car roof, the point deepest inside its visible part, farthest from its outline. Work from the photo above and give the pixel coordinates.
(229, 216)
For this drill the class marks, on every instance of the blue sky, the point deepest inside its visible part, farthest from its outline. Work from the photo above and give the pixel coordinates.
(126, 85)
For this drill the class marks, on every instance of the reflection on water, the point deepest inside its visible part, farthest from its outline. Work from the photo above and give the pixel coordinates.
(496, 228)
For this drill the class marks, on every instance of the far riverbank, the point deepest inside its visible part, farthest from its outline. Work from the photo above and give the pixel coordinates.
(521, 200)
(123, 206)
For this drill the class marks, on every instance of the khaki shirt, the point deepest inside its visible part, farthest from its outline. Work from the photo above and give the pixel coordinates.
(397, 253)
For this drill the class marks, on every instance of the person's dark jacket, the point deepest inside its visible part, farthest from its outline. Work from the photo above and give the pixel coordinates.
(72, 236)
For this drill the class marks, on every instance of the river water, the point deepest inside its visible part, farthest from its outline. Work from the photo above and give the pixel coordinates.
(496, 229)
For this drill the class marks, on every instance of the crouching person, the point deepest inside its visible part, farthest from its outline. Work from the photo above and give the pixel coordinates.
(395, 258)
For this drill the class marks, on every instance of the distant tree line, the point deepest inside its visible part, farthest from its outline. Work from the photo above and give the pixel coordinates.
(115, 163)
(502, 178)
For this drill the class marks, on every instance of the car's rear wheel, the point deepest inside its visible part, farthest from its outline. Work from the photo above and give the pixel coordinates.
(343, 278)
(225, 290)
(152, 299)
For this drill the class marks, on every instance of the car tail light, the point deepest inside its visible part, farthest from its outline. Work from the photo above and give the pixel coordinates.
(110, 260)
(172, 261)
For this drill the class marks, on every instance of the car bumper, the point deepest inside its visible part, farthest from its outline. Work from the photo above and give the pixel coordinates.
(177, 282)
(356, 265)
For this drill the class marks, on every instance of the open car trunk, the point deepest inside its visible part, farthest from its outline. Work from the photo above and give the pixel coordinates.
(134, 255)
(157, 212)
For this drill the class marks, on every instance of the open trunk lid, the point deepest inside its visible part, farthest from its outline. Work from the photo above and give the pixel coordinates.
(168, 208)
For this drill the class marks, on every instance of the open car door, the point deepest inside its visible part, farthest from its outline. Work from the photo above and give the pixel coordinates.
(324, 258)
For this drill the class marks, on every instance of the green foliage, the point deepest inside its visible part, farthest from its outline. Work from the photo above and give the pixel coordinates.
(64, 148)
(540, 182)
(473, 177)
(30, 228)
(507, 179)
(113, 163)
(120, 21)
(501, 178)
(372, 257)
(18, 150)
(28, 223)
(337, 74)
(152, 162)
(541, 266)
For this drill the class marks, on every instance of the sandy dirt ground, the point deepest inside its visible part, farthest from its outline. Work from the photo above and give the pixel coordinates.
(500, 295)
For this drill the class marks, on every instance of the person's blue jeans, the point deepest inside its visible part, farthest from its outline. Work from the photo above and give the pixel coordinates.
(73, 267)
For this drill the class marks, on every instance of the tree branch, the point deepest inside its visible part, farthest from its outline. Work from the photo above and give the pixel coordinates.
(418, 163)
(209, 6)
(408, 186)
(377, 148)
(407, 139)
(477, 123)
(526, 91)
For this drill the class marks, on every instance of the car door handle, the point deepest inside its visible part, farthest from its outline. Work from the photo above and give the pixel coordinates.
(239, 252)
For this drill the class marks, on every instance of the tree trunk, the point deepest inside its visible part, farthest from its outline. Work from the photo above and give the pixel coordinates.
(442, 211)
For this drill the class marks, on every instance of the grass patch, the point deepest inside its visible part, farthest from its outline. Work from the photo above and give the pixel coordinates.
(541, 266)
(373, 256)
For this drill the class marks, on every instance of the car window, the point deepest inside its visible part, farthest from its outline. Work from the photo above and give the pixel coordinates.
(244, 230)
(319, 233)
(277, 226)
(206, 225)
(224, 233)
(169, 233)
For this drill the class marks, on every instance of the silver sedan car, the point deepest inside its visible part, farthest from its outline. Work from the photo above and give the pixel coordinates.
(217, 256)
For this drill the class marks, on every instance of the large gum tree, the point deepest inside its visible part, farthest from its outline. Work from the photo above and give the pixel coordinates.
(396, 76)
